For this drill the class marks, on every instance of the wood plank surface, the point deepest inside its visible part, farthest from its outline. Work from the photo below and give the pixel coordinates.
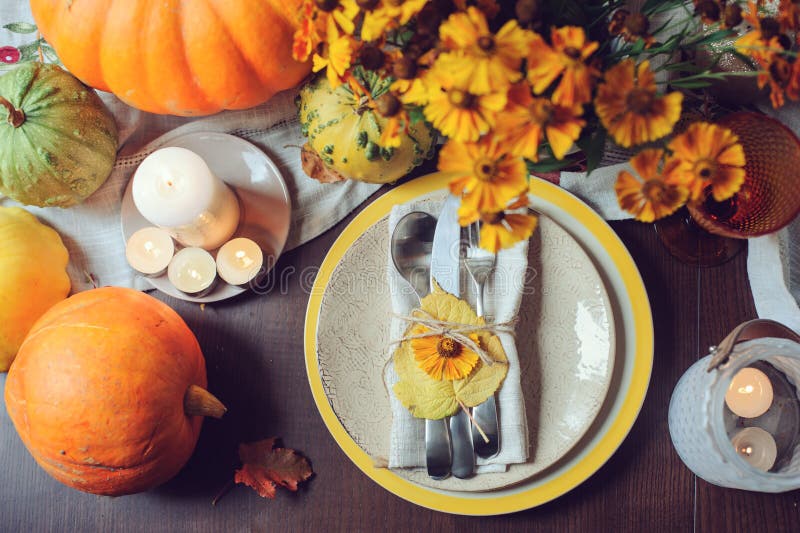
(254, 350)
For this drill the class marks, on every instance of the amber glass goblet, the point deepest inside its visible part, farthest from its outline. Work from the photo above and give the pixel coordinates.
(708, 232)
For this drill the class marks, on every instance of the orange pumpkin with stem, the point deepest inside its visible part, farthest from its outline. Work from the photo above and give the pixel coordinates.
(175, 57)
(108, 392)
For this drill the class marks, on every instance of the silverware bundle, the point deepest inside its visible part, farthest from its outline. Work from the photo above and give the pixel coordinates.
(419, 250)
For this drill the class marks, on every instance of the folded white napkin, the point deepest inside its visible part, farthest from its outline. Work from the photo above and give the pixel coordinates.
(502, 299)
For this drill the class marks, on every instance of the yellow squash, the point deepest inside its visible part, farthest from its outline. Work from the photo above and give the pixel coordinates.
(33, 263)
(343, 130)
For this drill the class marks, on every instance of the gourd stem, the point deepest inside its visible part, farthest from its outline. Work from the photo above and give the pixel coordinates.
(199, 402)
(15, 116)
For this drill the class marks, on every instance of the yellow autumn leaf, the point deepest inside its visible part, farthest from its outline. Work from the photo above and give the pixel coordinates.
(426, 397)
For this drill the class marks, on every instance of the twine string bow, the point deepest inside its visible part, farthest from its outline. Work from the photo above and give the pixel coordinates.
(457, 331)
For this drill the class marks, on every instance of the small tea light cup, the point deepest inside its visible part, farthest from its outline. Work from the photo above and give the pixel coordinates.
(757, 447)
(239, 261)
(192, 271)
(750, 393)
(150, 251)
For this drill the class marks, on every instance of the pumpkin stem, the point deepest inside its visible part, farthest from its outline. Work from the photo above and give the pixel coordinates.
(199, 402)
(15, 116)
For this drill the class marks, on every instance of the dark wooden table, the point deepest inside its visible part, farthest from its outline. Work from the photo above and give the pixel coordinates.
(254, 351)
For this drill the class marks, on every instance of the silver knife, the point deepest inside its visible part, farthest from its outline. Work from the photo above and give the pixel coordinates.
(445, 270)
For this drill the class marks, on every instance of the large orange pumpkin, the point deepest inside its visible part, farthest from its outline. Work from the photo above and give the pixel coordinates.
(179, 57)
(108, 391)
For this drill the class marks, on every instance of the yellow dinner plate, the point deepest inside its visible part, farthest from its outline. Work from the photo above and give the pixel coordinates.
(634, 340)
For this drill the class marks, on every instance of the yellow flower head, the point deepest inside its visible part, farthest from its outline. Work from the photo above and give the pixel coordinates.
(501, 229)
(456, 112)
(566, 58)
(526, 121)
(485, 174)
(479, 60)
(629, 107)
(412, 92)
(656, 192)
(441, 357)
(386, 15)
(315, 25)
(710, 156)
(337, 54)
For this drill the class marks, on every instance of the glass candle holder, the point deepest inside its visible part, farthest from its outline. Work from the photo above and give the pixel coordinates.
(758, 453)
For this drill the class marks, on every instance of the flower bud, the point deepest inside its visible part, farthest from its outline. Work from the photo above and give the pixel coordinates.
(388, 105)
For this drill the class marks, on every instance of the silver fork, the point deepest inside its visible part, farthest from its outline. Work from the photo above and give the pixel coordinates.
(480, 263)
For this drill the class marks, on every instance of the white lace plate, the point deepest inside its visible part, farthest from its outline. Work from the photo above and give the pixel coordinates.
(565, 338)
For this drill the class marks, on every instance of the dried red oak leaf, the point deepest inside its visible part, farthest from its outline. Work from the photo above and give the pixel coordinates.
(264, 466)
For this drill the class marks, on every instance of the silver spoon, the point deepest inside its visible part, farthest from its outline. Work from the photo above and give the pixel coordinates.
(412, 240)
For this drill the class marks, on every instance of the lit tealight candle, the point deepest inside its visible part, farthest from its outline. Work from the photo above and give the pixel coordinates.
(239, 261)
(192, 271)
(750, 393)
(757, 447)
(175, 190)
(149, 251)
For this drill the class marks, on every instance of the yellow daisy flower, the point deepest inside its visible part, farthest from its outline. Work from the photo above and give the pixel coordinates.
(526, 121)
(710, 156)
(501, 229)
(479, 60)
(412, 92)
(441, 357)
(566, 58)
(385, 15)
(485, 173)
(457, 113)
(656, 192)
(629, 107)
(337, 55)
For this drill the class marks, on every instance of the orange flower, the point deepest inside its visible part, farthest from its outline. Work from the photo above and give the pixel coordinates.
(527, 120)
(309, 34)
(477, 59)
(763, 44)
(441, 357)
(789, 15)
(567, 58)
(485, 174)
(501, 229)
(629, 107)
(710, 156)
(397, 124)
(657, 192)
(631, 27)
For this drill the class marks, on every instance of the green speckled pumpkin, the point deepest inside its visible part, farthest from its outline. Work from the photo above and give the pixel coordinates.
(58, 141)
(344, 132)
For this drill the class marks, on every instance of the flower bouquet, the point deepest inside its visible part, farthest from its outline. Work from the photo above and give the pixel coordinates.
(516, 88)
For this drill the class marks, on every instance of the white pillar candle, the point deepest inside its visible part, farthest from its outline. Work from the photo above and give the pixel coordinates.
(192, 271)
(150, 250)
(239, 261)
(757, 447)
(750, 393)
(175, 190)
